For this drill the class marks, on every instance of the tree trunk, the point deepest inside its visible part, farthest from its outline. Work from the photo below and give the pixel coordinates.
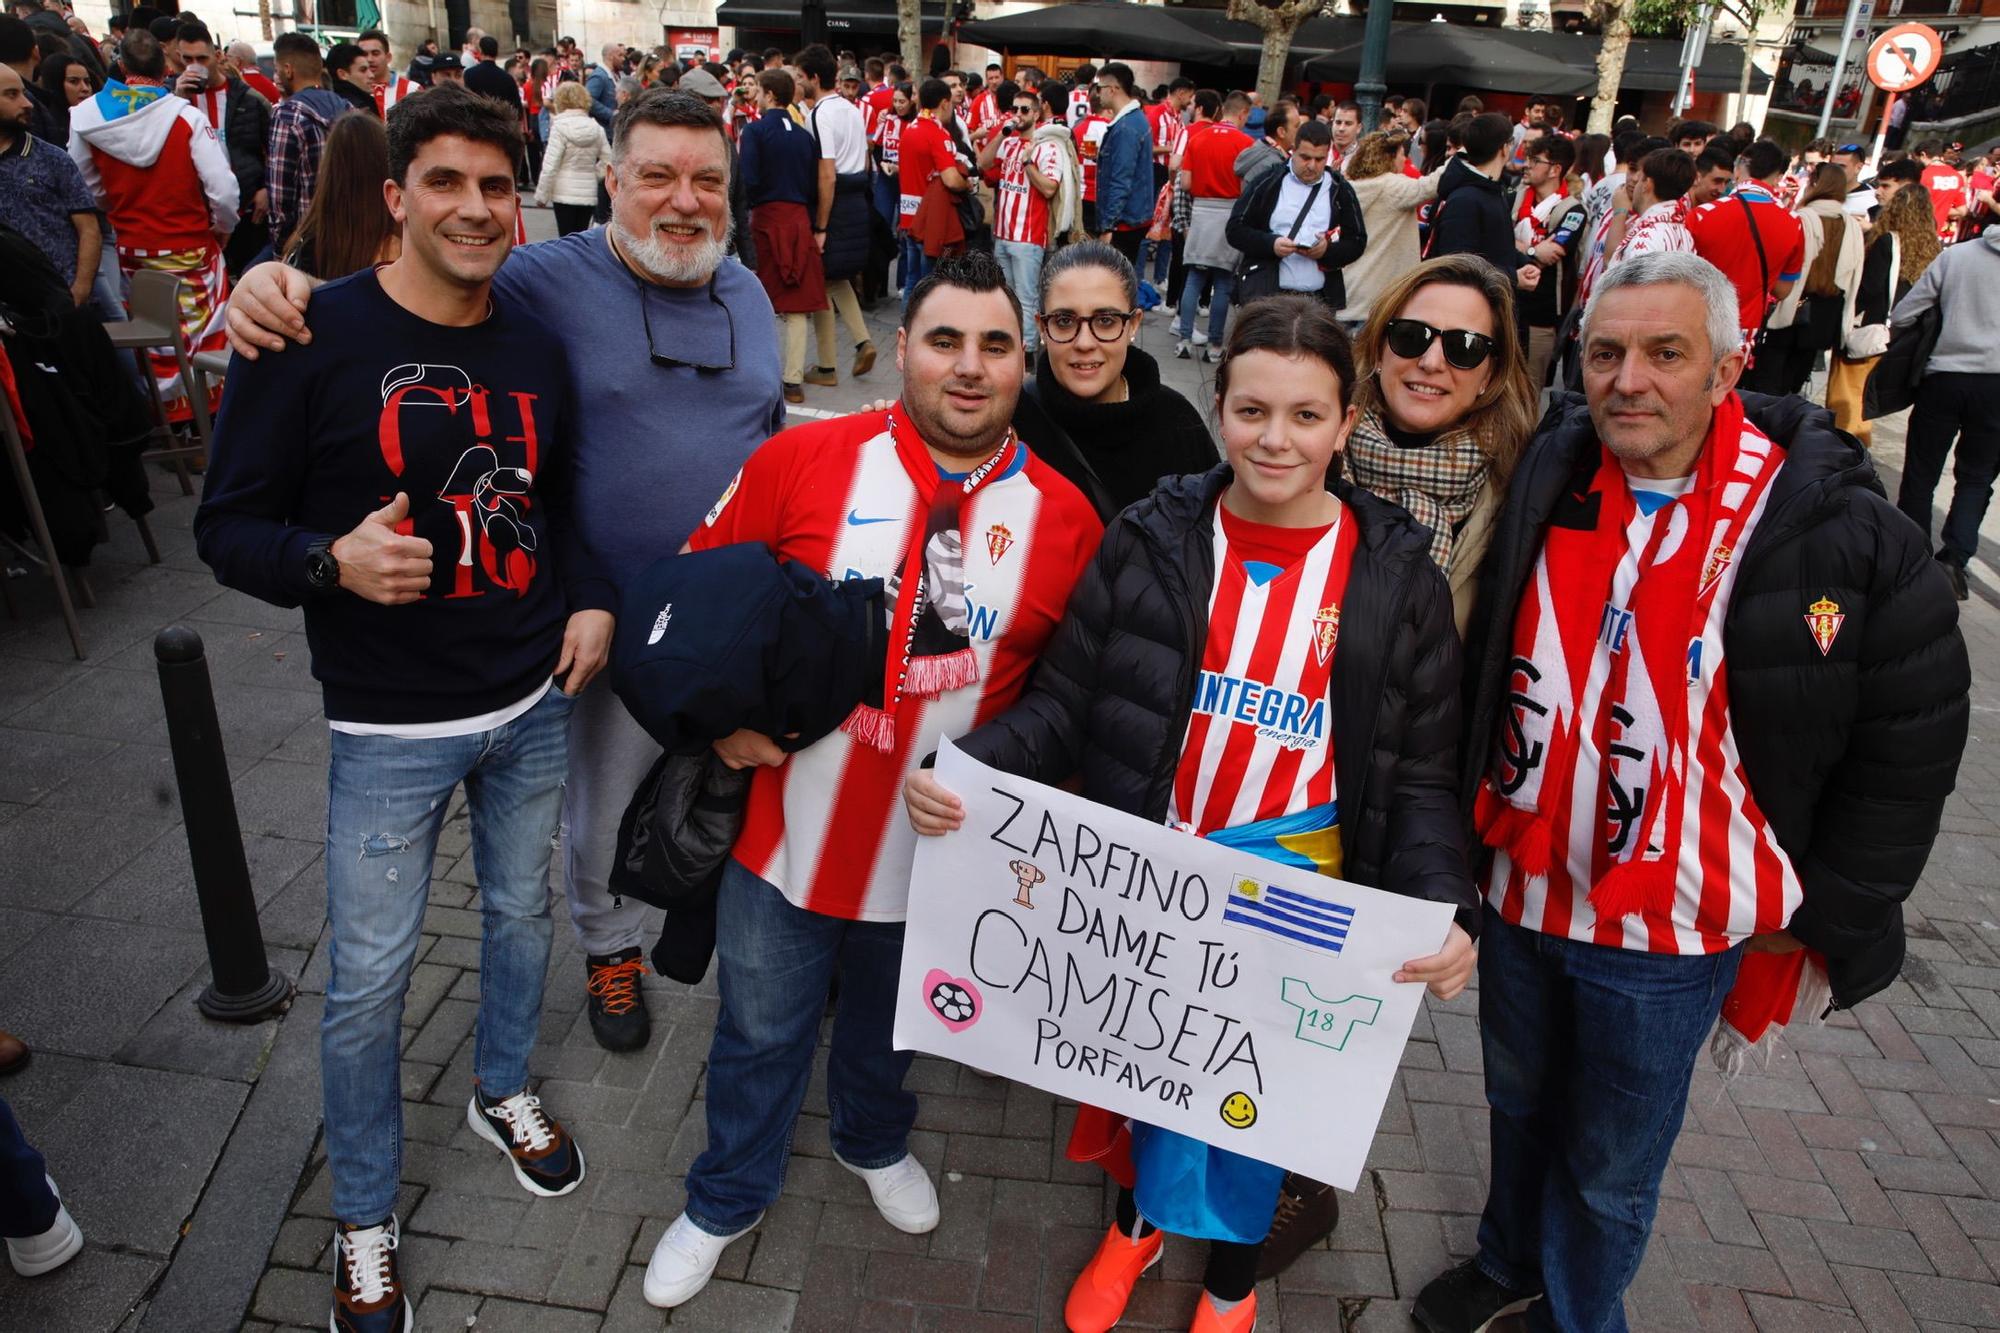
(910, 36)
(1280, 20)
(1743, 79)
(1271, 64)
(264, 18)
(1610, 68)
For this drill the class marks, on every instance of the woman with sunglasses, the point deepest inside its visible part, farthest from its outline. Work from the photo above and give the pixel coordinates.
(1445, 408)
(1200, 578)
(1096, 398)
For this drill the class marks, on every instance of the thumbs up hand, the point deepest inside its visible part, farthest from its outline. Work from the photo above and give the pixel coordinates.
(381, 564)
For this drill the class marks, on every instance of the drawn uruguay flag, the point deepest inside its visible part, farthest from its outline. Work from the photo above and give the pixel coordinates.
(1313, 923)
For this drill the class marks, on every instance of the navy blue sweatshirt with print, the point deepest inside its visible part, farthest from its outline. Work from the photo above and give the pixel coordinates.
(474, 425)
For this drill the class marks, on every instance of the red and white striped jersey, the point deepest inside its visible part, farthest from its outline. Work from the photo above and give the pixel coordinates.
(214, 104)
(1733, 880)
(888, 136)
(398, 87)
(1259, 741)
(1089, 134)
(1079, 105)
(827, 827)
(1020, 212)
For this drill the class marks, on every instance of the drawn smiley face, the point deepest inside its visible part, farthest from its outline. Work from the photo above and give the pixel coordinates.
(1238, 1111)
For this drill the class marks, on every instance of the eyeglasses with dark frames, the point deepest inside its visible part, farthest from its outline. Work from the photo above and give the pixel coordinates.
(1062, 326)
(660, 358)
(1463, 348)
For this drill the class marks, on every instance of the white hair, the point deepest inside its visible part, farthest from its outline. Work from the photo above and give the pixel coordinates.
(1717, 293)
(243, 52)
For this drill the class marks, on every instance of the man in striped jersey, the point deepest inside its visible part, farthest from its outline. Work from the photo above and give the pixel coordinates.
(390, 87)
(935, 496)
(1718, 700)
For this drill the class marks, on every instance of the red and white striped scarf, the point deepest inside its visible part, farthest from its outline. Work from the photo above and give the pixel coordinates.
(1632, 696)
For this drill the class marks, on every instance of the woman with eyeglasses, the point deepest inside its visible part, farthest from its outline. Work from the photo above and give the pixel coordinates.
(1096, 398)
(1445, 408)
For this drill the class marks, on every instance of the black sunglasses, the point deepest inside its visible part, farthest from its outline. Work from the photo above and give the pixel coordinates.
(1463, 349)
(660, 358)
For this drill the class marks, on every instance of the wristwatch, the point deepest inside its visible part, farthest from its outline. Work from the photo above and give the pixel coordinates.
(322, 570)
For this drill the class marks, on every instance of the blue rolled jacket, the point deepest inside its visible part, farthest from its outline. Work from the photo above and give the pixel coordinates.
(1125, 193)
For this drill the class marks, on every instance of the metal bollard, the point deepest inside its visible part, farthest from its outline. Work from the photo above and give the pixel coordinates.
(243, 987)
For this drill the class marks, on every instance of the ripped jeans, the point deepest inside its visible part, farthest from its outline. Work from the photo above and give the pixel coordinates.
(386, 803)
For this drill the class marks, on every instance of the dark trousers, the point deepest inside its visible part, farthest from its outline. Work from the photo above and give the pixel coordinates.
(1952, 407)
(1782, 366)
(1589, 1053)
(603, 210)
(1127, 240)
(573, 217)
(27, 1204)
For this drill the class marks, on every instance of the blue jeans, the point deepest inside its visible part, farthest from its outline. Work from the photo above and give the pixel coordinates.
(1589, 1052)
(1160, 254)
(1022, 263)
(888, 196)
(915, 264)
(1220, 282)
(774, 964)
(386, 802)
(27, 1205)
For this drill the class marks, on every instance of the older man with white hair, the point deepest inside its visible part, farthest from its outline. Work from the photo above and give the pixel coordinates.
(675, 380)
(1718, 700)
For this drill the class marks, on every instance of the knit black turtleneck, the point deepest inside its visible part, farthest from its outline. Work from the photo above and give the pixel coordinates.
(1127, 446)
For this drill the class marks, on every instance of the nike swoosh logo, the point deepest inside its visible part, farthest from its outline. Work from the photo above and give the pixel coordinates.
(854, 519)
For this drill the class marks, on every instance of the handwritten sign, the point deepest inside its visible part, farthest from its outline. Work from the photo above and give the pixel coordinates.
(1104, 958)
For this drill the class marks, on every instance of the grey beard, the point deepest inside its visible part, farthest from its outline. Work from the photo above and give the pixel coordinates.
(666, 265)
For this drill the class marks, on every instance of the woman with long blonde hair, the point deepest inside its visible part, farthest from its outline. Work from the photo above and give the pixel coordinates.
(1390, 198)
(1445, 407)
(1905, 236)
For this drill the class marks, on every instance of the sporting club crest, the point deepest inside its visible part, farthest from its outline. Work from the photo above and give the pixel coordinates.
(1325, 632)
(998, 541)
(1824, 618)
(1718, 561)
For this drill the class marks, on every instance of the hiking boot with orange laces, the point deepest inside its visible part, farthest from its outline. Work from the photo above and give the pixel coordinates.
(618, 1017)
(1097, 1300)
(1242, 1316)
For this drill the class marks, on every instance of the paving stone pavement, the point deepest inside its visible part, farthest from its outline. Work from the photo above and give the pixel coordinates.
(1852, 1183)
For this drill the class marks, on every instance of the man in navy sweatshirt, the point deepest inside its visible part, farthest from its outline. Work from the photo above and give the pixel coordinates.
(674, 383)
(405, 477)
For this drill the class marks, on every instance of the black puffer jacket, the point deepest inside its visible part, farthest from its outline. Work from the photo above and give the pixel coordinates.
(1112, 693)
(1851, 752)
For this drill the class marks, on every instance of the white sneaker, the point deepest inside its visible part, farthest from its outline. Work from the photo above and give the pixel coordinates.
(684, 1261)
(1199, 338)
(34, 1255)
(903, 1193)
(1183, 349)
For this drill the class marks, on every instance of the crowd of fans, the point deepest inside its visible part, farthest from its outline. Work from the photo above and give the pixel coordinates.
(1388, 313)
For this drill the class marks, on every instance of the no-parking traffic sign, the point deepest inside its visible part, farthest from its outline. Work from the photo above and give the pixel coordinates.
(1904, 57)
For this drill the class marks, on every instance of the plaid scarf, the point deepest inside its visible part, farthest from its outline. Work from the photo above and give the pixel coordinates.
(1440, 484)
(1602, 641)
(931, 648)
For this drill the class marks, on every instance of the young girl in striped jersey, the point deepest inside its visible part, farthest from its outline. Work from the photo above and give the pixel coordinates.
(1266, 574)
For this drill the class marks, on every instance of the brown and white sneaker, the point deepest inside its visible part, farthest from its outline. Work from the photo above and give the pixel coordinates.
(367, 1291)
(546, 1160)
(1307, 1214)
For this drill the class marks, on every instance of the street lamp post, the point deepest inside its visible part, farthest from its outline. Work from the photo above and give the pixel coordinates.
(1372, 85)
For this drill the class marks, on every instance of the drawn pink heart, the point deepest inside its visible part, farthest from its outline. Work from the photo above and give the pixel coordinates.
(960, 1005)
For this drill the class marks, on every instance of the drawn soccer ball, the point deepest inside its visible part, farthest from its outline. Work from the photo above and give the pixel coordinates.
(952, 1001)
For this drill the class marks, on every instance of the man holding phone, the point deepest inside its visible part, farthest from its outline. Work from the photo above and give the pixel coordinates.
(1033, 168)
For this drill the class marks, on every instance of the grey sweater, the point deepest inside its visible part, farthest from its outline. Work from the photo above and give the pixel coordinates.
(1964, 284)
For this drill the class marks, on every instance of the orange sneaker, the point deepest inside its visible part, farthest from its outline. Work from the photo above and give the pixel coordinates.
(1241, 1319)
(1098, 1298)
